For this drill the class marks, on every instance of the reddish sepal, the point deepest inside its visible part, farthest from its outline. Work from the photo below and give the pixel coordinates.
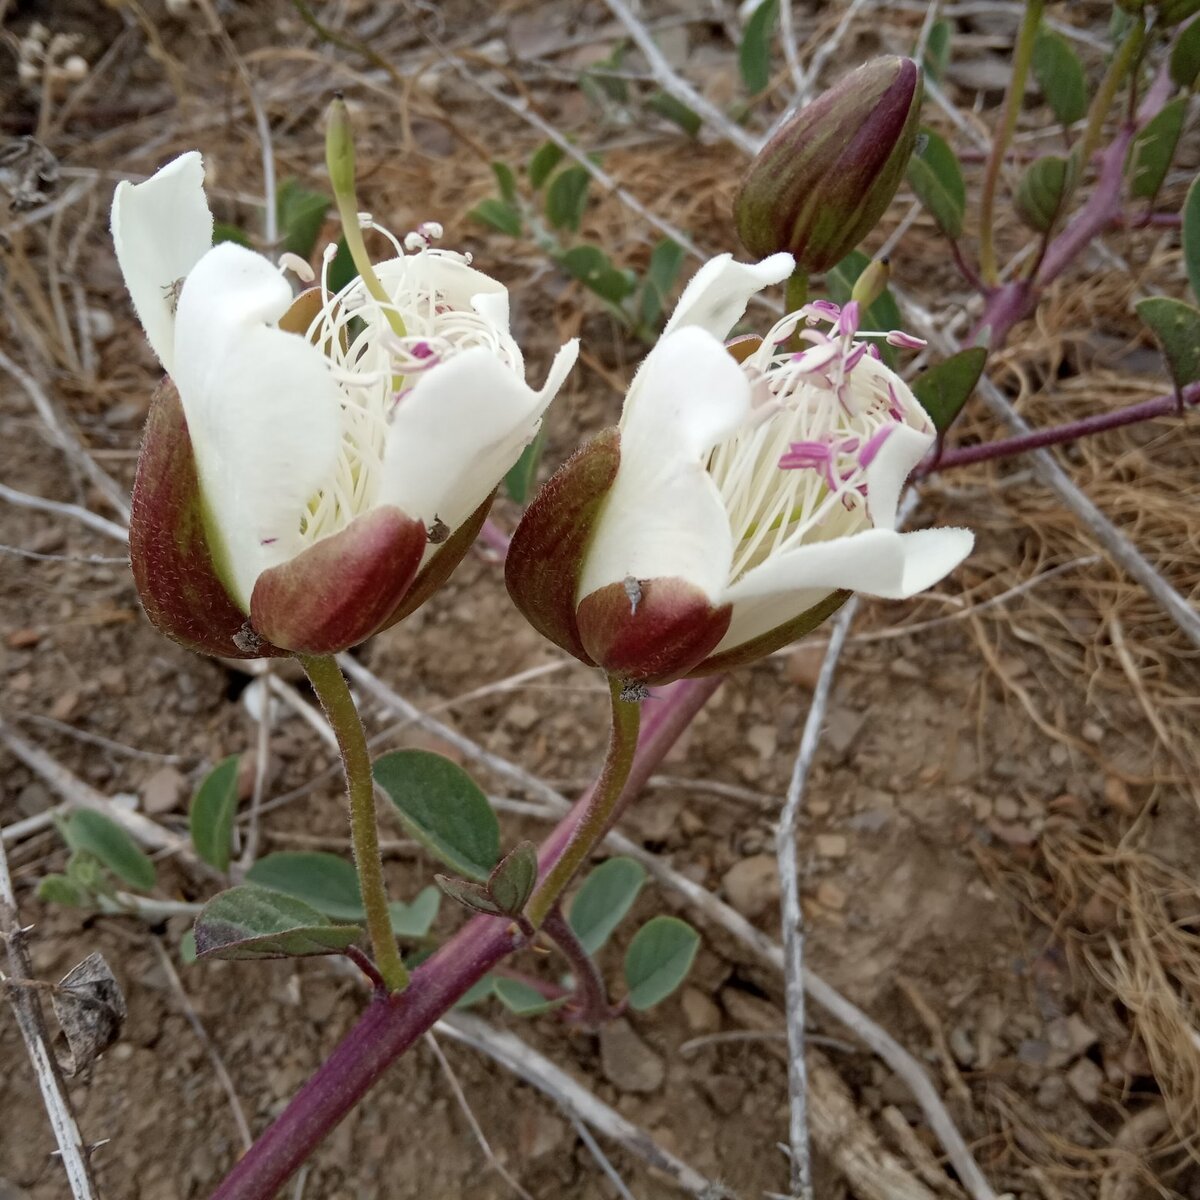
(168, 544)
(343, 588)
(650, 630)
(545, 557)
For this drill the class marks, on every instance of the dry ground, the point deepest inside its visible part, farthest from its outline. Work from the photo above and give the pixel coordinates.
(1000, 838)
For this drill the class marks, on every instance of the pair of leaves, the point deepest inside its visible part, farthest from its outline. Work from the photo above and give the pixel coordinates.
(507, 889)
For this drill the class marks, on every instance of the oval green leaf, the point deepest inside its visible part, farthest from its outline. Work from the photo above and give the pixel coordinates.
(1191, 235)
(498, 215)
(1176, 325)
(566, 198)
(658, 960)
(754, 53)
(415, 920)
(545, 158)
(945, 387)
(301, 215)
(937, 179)
(606, 896)
(1185, 57)
(443, 808)
(1060, 76)
(1152, 150)
(213, 809)
(251, 922)
(326, 881)
(521, 998)
(107, 841)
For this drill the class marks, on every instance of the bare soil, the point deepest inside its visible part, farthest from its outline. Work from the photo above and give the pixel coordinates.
(1000, 836)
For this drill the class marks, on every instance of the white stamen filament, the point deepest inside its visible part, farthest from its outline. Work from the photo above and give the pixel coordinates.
(367, 359)
(818, 397)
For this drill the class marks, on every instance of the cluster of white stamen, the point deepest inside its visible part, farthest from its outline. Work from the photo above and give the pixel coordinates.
(375, 367)
(796, 472)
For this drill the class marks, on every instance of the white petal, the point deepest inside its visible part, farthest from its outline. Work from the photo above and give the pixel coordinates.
(460, 429)
(263, 411)
(877, 562)
(664, 514)
(718, 293)
(903, 448)
(160, 229)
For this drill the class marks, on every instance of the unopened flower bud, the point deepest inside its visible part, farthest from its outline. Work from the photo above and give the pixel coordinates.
(872, 283)
(819, 186)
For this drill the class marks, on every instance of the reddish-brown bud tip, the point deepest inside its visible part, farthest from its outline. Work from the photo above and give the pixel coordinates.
(650, 630)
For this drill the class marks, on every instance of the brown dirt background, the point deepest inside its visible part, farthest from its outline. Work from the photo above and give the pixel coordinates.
(1000, 840)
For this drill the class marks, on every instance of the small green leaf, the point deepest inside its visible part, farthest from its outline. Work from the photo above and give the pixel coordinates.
(85, 871)
(937, 180)
(946, 386)
(1191, 234)
(754, 53)
(676, 112)
(1176, 325)
(301, 214)
(512, 881)
(1153, 148)
(937, 49)
(658, 960)
(521, 998)
(481, 989)
(59, 889)
(1185, 57)
(326, 881)
(1060, 76)
(523, 473)
(223, 231)
(471, 895)
(498, 215)
(255, 922)
(566, 198)
(187, 947)
(591, 266)
(606, 896)
(99, 836)
(506, 181)
(1042, 191)
(415, 920)
(665, 261)
(443, 808)
(545, 158)
(213, 808)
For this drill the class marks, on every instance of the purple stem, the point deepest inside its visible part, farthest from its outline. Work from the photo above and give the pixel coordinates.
(391, 1024)
(1013, 302)
(1160, 406)
(589, 1003)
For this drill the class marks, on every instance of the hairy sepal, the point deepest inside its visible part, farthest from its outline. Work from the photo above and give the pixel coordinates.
(342, 589)
(170, 549)
(650, 630)
(546, 554)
